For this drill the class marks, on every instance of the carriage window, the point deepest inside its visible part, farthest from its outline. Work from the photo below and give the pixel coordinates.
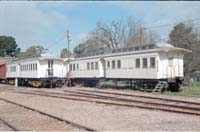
(50, 63)
(36, 67)
(70, 68)
(74, 67)
(108, 64)
(137, 63)
(12, 68)
(152, 62)
(96, 65)
(118, 64)
(144, 62)
(92, 66)
(77, 66)
(113, 64)
(171, 61)
(88, 66)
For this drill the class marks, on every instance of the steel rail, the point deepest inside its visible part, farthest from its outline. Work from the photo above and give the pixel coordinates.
(115, 104)
(136, 101)
(142, 96)
(9, 125)
(92, 96)
(49, 115)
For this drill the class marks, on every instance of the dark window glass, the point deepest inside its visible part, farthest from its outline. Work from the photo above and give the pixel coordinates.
(92, 65)
(50, 63)
(137, 63)
(70, 67)
(74, 67)
(35, 66)
(144, 62)
(152, 62)
(96, 65)
(119, 64)
(108, 64)
(171, 61)
(88, 66)
(77, 67)
(113, 64)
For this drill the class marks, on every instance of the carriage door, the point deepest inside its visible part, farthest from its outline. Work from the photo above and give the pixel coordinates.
(170, 67)
(102, 68)
(50, 68)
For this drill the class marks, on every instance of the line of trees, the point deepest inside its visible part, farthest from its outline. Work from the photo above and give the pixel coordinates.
(9, 48)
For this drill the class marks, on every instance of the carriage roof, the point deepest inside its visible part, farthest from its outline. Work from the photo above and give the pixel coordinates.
(158, 47)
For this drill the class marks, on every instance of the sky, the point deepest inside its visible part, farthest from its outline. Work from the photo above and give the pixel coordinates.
(46, 23)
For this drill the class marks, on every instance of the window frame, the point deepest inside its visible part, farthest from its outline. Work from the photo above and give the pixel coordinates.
(96, 65)
(92, 65)
(137, 63)
(118, 64)
(113, 66)
(108, 64)
(144, 63)
(150, 65)
(88, 66)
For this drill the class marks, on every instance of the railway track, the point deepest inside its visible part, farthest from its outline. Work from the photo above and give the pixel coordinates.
(46, 114)
(135, 101)
(78, 96)
(9, 125)
(141, 96)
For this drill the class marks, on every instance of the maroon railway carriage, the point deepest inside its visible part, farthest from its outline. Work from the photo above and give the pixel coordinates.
(3, 62)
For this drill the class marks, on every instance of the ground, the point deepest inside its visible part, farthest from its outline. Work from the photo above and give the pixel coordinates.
(93, 115)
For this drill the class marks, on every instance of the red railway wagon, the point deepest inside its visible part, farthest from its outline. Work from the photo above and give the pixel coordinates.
(2, 72)
(3, 62)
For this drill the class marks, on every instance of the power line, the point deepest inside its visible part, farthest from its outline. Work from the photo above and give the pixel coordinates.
(171, 24)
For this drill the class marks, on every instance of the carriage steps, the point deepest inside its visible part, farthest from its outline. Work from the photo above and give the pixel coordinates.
(160, 87)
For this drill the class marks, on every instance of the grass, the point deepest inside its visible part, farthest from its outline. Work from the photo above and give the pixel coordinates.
(189, 91)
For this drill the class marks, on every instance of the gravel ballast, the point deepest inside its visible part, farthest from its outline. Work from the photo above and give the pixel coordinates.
(104, 117)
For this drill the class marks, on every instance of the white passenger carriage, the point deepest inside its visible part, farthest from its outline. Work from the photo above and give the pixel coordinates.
(147, 65)
(38, 71)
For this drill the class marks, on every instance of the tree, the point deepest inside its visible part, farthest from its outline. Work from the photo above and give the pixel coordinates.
(111, 34)
(8, 46)
(33, 51)
(183, 36)
(115, 34)
(65, 53)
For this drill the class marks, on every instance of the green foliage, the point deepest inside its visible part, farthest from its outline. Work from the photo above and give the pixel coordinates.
(65, 53)
(183, 36)
(33, 51)
(190, 91)
(8, 46)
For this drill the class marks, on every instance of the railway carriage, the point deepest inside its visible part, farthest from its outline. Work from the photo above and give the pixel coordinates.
(156, 66)
(3, 63)
(44, 71)
(87, 71)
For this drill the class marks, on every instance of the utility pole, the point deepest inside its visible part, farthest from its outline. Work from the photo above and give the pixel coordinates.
(141, 36)
(69, 72)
